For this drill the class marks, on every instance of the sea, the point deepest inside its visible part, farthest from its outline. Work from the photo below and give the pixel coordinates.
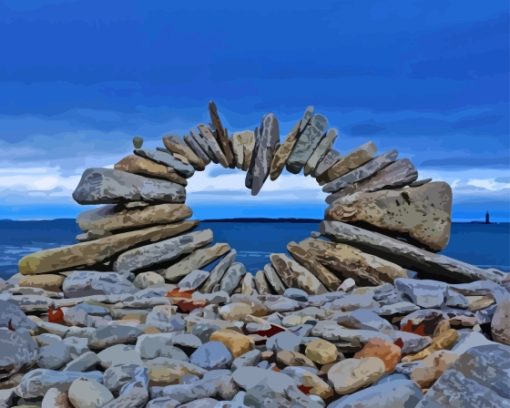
(485, 245)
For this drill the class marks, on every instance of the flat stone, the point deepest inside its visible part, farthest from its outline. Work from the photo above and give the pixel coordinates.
(53, 352)
(500, 325)
(283, 152)
(237, 343)
(235, 311)
(363, 319)
(313, 383)
(108, 186)
(261, 283)
(163, 371)
(249, 377)
(176, 145)
(162, 251)
(94, 252)
(221, 134)
(444, 340)
(232, 277)
(243, 144)
(306, 143)
(287, 358)
(164, 318)
(218, 271)
(37, 382)
(388, 352)
(214, 147)
(284, 341)
(420, 213)
(85, 362)
(487, 387)
(352, 374)
(168, 159)
(193, 280)
(119, 354)
(273, 279)
(432, 367)
(266, 139)
(135, 393)
(196, 147)
(50, 282)
(411, 343)
(406, 255)
(321, 352)
(11, 312)
(196, 260)
(88, 283)
(140, 165)
(296, 294)
(350, 162)
(114, 218)
(295, 275)
(320, 151)
(351, 262)
(394, 394)
(17, 350)
(305, 258)
(113, 334)
(331, 331)
(361, 173)
(330, 159)
(84, 393)
(424, 293)
(212, 355)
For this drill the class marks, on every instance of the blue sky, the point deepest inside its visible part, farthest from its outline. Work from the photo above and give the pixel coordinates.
(79, 78)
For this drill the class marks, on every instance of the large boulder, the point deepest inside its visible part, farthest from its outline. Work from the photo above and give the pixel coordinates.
(108, 186)
(88, 283)
(17, 350)
(421, 213)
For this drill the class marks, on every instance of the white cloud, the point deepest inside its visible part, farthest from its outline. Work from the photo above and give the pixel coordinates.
(488, 184)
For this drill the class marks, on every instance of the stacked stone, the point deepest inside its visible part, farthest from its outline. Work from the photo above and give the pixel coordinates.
(128, 318)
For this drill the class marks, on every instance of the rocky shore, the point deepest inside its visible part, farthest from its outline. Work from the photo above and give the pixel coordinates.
(148, 311)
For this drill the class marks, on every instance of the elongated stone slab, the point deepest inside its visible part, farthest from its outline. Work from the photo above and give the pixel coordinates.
(221, 134)
(232, 277)
(107, 186)
(406, 255)
(350, 262)
(163, 251)
(320, 151)
(196, 260)
(330, 159)
(265, 144)
(353, 160)
(95, 252)
(261, 283)
(274, 280)
(197, 149)
(145, 167)
(177, 146)
(214, 147)
(305, 258)
(296, 276)
(204, 145)
(242, 146)
(306, 144)
(218, 272)
(361, 173)
(104, 220)
(283, 152)
(421, 213)
(168, 159)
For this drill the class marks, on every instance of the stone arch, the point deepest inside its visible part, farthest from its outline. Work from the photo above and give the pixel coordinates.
(381, 220)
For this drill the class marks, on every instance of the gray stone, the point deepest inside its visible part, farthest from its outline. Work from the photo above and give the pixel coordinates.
(88, 283)
(113, 334)
(107, 186)
(500, 325)
(201, 403)
(331, 331)
(119, 354)
(149, 279)
(320, 151)
(218, 271)
(281, 304)
(117, 376)
(193, 280)
(330, 159)
(86, 393)
(135, 393)
(165, 157)
(406, 255)
(412, 343)
(232, 277)
(85, 362)
(424, 293)
(284, 341)
(215, 298)
(395, 394)
(212, 355)
(250, 358)
(53, 352)
(163, 402)
(159, 345)
(296, 294)
(261, 283)
(17, 350)
(10, 312)
(249, 377)
(264, 395)
(486, 387)
(214, 147)
(195, 147)
(398, 308)
(273, 279)
(481, 288)
(189, 392)
(468, 340)
(266, 139)
(163, 251)
(361, 173)
(306, 144)
(37, 382)
(362, 319)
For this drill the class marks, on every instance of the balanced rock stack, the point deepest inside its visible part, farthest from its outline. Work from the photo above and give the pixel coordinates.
(147, 311)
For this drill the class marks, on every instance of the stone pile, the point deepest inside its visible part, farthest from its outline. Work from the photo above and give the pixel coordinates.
(146, 310)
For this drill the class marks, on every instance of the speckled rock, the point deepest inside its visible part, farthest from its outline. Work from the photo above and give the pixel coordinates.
(352, 374)
(237, 343)
(321, 351)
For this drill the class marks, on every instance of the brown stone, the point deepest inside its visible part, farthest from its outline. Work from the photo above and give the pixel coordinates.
(287, 358)
(236, 342)
(320, 151)
(421, 213)
(432, 367)
(294, 275)
(94, 252)
(243, 144)
(321, 351)
(388, 352)
(444, 341)
(44, 281)
(352, 374)
(211, 141)
(221, 134)
(142, 166)
(283, 152)
(177, 146)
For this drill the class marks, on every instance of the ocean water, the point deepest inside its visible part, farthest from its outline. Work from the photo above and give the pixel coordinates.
(479, 244)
